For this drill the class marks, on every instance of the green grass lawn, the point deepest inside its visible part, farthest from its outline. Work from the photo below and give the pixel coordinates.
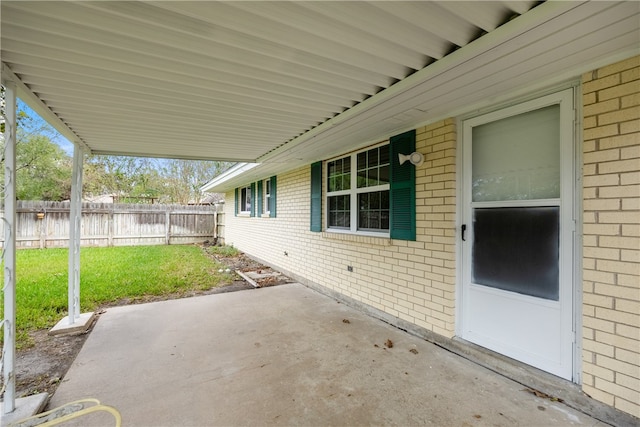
(107, 276)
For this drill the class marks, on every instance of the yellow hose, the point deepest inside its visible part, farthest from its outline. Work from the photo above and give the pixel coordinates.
(68, 412)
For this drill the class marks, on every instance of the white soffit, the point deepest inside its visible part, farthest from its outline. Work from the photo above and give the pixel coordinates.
(552, 44)
(289, 83)
(222, 80)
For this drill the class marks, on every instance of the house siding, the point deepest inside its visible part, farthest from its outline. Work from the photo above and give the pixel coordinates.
(415, 280)
(410, 280)
(611, 235)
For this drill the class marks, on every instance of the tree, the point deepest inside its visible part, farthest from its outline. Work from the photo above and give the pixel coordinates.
(43, 169)
(183, 178)
(129, 179)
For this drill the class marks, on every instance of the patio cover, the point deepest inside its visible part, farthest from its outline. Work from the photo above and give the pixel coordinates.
(278, 85)
(288, 83)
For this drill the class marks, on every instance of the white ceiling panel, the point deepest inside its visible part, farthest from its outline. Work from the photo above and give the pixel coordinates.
(286, 83)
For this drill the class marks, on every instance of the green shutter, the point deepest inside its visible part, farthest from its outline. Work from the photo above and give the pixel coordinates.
(272, 200)
(259, 208)
(403, 188)
(316, 196)
(252, 208)
(237, 203)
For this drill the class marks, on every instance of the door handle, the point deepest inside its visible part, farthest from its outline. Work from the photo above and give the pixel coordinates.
(463, 228)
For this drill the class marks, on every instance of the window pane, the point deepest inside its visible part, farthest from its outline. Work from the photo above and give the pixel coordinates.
(363, 219)
(384, 155)
(383, 177)
(341, 203)
(372, 157)
(339, 211)
(384, 199)
(374, 219)
(338, 176)
(518, 158)
(372, 169)
(245, 199)
(363, 201)
(267, 195)
(517, 250)
(362, 179)
(343, 220)
(373, 211)
(384, 219)
(346, 182)
(362, 161)
(374, 200)
(373, 177)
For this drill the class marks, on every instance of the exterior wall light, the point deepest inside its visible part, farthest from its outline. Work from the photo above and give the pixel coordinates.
(416, 158)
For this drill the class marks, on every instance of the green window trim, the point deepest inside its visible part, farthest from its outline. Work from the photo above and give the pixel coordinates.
(253, 199)
(272, 199)
(237, 202)
(316, 197)
(259, 206)
(257, 199)
(403, 188)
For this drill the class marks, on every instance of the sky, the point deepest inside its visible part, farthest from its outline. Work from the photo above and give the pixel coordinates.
(38, 122)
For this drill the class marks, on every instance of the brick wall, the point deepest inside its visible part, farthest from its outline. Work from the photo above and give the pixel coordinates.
(611, 254)
(413, 281)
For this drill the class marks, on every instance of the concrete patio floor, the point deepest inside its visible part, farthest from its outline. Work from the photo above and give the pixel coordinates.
(286, 355)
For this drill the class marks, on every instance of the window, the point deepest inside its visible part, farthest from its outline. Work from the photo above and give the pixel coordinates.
(367, 192)
(257, 199)
(266, 199)
(359, 202)
(245, 199)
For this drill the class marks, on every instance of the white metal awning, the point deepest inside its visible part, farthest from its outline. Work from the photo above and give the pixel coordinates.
(287, 83)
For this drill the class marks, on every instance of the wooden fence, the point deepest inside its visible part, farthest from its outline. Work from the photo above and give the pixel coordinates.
(46, 224)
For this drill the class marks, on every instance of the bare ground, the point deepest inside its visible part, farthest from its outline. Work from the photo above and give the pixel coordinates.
(41, 367)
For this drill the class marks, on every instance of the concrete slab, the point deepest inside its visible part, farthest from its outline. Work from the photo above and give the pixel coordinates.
(81, 325)
(25, 407)
(287, 355)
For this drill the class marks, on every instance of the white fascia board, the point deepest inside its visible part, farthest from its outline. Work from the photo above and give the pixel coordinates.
(229, 179)
(41, 108)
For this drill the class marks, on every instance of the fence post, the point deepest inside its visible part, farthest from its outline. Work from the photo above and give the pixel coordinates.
(110, 227)
(43, 229)
(168, 225)
(215, 223)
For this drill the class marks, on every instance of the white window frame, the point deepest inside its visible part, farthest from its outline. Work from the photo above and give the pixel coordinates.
(353, 192)
(245, 200)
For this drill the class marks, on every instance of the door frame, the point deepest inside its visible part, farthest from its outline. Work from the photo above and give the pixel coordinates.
(571, 199)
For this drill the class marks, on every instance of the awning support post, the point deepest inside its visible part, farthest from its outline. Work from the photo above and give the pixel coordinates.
(9, 249)
(75, 215)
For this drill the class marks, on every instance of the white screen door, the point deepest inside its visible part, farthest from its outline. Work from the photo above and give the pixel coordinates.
(517, 292)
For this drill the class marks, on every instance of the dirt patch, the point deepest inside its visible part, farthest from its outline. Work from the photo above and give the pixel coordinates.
(261, 274)
(41, 367)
